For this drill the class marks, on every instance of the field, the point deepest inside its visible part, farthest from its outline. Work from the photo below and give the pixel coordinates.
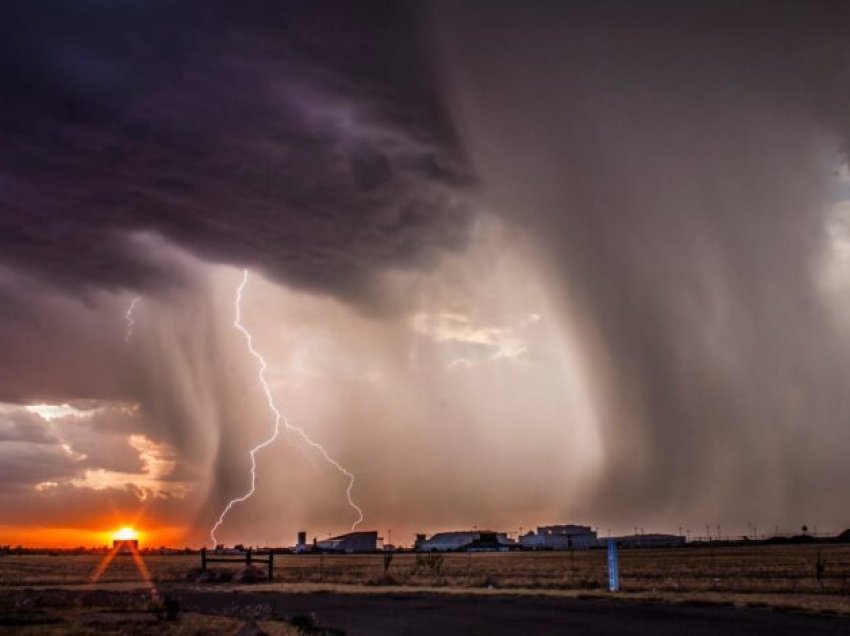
(811, 578)
(790, 569)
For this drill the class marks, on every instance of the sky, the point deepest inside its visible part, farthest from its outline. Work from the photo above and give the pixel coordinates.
(509, 265)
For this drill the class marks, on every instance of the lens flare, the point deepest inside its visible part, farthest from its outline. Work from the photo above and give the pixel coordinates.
(125, 534)
(124, 542)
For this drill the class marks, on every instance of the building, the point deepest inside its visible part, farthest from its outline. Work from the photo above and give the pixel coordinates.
(465, 541)
(352, 542)
(560, 537)
(650, 541)
(301, 542)
(125, 546)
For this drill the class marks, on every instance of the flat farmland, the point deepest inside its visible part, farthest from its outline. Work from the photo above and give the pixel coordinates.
(768, 570)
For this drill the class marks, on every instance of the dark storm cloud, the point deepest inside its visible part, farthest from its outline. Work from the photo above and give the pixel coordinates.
(303, 139)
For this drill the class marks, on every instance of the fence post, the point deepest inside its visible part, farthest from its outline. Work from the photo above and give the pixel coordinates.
(613, 567)
(271, 564)
(203, 559)
(248, 557)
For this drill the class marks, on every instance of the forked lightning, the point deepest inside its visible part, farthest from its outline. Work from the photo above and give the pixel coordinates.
(279, 421)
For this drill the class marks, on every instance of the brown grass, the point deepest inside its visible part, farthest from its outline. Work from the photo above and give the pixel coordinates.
(757, 574)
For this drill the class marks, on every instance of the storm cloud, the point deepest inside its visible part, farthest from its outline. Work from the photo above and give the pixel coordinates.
(305, 140)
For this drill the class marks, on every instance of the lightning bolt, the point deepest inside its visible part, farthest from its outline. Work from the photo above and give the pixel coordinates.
(280, 421)
(130, 320)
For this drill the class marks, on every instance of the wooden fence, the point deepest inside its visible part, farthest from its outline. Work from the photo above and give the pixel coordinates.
(248, 559)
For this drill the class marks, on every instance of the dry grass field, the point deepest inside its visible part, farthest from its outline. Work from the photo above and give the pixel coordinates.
(791, 569)
(808, 578)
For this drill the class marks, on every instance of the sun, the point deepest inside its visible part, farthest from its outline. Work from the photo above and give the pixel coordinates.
(125, 533)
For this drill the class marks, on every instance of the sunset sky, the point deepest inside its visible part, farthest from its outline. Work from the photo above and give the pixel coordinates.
(508, 263)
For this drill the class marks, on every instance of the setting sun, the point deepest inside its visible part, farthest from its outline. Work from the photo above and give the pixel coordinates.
(125, 534)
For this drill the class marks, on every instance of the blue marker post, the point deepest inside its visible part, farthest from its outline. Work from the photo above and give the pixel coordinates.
(613, 567)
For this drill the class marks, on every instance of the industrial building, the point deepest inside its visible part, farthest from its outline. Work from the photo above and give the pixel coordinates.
(560, 537)
(368, 541)
(466, 541)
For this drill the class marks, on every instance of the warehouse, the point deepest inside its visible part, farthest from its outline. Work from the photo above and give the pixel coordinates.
(466, 541)
(560, 537)
(352, 542)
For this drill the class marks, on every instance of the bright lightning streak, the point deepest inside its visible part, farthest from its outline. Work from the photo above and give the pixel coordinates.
(279, 420)
(130, 320)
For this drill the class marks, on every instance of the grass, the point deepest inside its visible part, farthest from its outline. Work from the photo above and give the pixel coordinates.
(763, 569)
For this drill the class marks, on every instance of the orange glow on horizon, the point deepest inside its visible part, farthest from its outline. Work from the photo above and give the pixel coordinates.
(41, 537)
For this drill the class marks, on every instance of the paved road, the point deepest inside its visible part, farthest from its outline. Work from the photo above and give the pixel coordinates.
(448, 615)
